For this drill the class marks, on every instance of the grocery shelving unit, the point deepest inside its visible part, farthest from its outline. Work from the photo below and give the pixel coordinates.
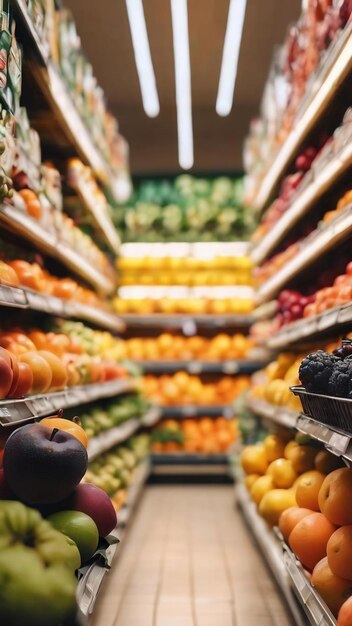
(23, 298)
(59, 99)
(104, 441)
(201, 367)
(40, 405)
(279, 415)
(335, 66)
(189, 324)
(197, 410)
(302, 201)
(49, 243)
(319, 242)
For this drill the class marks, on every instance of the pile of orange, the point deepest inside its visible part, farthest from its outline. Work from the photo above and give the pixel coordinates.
(205, 435)
(307, 491)
(183, 388)
(177, 347)
(33, 276)
(190, 306)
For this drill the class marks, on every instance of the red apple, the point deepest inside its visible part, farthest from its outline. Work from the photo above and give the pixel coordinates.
(93, 501)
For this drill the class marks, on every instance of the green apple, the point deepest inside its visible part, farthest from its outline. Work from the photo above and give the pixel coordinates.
(80, 528)
(37, 563)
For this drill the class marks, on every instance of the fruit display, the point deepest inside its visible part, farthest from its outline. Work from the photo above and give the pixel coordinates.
(113, 472)
(21, 273)
(284, 472)
(36, 362)
(304, 51)
(189, 209)
(204, 436)
(183, 388)
(177, 347)
(189, 271)
(100, 418)
(274, 382)
(191, 306)
(43, 466)
(338, 294)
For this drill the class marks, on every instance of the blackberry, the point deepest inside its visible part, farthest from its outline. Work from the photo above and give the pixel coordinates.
(345, 350)
(316, 370)
(340, 383)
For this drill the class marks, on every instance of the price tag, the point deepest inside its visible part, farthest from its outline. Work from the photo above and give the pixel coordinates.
(38, 301)
(345, 314)
(228, 412)
(230, 367)
(195, 367)
(339, 442)
(189, 327)
(13, 296)
(189, 410)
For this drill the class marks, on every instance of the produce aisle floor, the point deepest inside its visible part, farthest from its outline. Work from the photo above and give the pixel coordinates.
(189, 561)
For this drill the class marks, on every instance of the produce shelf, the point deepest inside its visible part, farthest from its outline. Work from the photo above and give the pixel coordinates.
(271, 548)
(335, 66)
(305, 328)
(90, 583)
(201, 367)
(303, 200)
(312, 604)
(19, 411)
(197, 410)
(21, 224)
(317, 243)
(59, 98)
(335, 441)
(109, 438)
(180, 458)
(189, 324)
(278, 414)
(101, 217)
(23, 298)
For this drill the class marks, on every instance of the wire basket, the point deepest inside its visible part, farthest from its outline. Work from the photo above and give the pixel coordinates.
(336, 412)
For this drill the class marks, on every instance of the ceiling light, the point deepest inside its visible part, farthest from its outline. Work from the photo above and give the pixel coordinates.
(230, 54)
(183, 82)
(143, 57)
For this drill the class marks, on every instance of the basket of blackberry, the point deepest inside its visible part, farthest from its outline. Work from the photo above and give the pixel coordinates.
(326, 391)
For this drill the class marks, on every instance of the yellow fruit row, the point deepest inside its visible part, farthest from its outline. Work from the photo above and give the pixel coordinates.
(190, 306)
(189, 279)
(183, 263)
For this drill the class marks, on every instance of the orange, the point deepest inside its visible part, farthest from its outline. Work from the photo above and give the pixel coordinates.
(250, 480)
(41, 370)
(335, 496)
(309, 539)
(253, 459)
(282, 473)
(58, 370)
(345, 614)
(339, 552)
(327, 462)
(302, 458)
(206, 425)
(290, 518)
(260, 487)
(274, 502)
(333, 589)
(274, 447)
(307, 489)
(69, 426)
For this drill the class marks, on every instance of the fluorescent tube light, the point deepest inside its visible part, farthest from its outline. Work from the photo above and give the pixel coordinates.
(230, 54)
(143, 57)
(183, 82)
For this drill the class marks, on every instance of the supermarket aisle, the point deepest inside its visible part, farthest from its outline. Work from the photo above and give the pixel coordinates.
(189, 561)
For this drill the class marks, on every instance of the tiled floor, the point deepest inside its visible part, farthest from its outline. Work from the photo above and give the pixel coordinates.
(189, 561)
